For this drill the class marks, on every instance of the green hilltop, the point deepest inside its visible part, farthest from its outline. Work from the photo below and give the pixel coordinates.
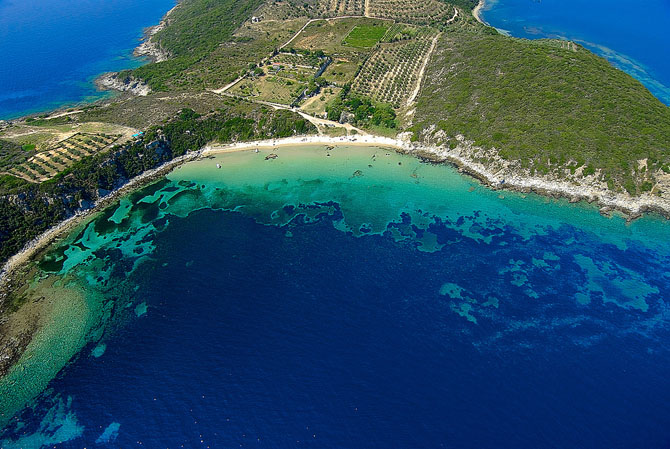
(549, 105)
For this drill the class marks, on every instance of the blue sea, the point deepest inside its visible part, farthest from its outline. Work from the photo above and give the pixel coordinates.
(346, 297)
(52, 50)
(633, 36)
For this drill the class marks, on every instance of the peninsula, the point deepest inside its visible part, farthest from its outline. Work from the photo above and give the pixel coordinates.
(423, 77)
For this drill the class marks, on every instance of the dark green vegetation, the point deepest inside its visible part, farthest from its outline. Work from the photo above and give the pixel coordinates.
(365, 36)
(547, 104)
(12, 154)
(360, 111)
(27, 209)
(468, 5)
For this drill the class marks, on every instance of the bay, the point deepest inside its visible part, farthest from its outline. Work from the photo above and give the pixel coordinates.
(349, 297)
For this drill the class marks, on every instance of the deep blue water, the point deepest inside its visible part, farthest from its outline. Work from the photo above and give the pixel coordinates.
(51, 50)
(276, 327)
(632, 35)
(325, 340)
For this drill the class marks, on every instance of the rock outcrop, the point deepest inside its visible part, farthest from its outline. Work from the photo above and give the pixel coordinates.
(114, 81)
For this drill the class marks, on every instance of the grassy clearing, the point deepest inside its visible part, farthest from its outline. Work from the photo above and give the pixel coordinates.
(317, 104)
(365, 36)
(341, 72)
(275, 89)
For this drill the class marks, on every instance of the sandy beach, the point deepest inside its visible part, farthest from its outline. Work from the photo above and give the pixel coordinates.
(633, 207)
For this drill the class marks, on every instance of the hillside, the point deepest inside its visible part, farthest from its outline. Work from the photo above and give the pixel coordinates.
(554, 108)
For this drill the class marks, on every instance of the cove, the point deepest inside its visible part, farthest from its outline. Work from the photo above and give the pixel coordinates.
(346, 297)
(630, 35)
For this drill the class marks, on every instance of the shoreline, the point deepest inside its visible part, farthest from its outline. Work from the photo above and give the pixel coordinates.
(14, 264)
(16, 270)
(477, 12)
(148, 50)
(152, 50)
(631, 207)
(106, 81)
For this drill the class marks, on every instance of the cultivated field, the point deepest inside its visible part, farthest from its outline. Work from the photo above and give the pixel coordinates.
(46, 164)
(424, 12)
(365, 36)
(392, 72)
(286, 9)
(341, 7)
(330, 36)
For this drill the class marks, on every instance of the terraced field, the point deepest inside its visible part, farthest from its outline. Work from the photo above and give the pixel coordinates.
(392, 72)
(424, 12)
(330, 8)
(47, 164)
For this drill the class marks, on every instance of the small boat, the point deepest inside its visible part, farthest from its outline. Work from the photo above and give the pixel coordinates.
(218, 165)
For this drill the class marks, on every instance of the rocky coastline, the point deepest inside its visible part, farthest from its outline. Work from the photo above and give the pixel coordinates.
(464, 157)
(115, 81)
(150, 49)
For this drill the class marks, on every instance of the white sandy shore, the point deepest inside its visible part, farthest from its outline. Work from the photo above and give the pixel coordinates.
(477, 12)
(632, 206)
(606, 199)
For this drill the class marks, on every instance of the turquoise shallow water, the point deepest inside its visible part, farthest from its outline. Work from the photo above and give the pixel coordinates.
(351, 297)
(52, 50)
(631, 35)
